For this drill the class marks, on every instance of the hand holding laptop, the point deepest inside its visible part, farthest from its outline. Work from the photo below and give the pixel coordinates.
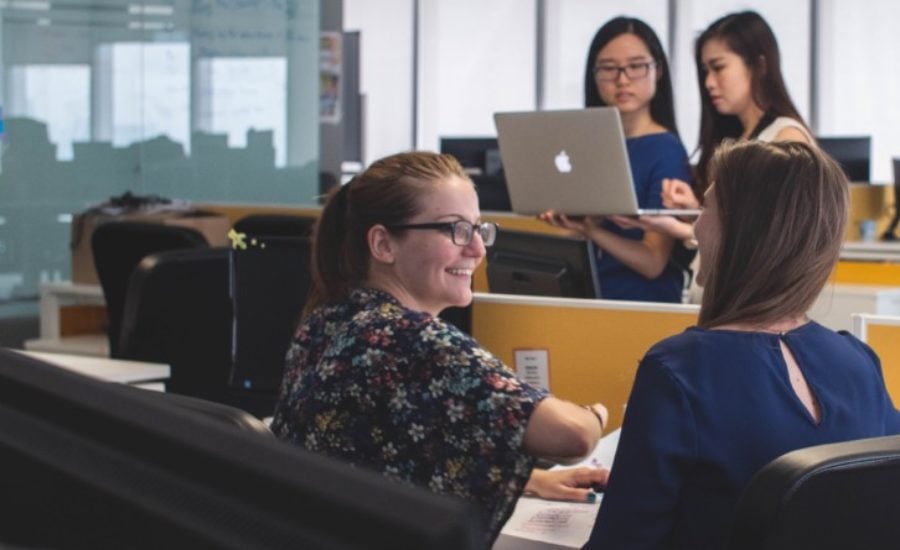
(668, 225)
(678, 194)
(579, 224)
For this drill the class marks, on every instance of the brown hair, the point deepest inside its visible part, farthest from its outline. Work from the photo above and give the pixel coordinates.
(748, 35)
(387, 193)
(782, 211)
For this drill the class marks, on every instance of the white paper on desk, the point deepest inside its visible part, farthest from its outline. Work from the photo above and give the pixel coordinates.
(602, 455)
(563, 523)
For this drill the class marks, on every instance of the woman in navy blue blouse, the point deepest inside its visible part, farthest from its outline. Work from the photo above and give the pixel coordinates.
(756, 378)
(374, 377)
(627, 69)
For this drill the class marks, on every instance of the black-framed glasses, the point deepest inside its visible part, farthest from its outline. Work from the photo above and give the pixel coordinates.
(461, 231)
(634, 71)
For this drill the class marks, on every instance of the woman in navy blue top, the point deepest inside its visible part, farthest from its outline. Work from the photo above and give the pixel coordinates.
(627, 68)
(756, 378)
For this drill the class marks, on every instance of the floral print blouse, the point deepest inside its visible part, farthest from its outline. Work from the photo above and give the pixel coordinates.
(402, 392)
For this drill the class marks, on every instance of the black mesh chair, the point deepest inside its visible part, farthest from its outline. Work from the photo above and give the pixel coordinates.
(269, 284)
(177, 312)
(217, 412)
(118, 247)
(842, 495)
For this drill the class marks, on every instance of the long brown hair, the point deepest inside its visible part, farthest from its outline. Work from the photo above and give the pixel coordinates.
(782, 209)
(749, 36)
(389, 193)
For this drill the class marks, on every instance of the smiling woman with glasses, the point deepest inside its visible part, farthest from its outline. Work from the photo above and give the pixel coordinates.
(461, 232)
(374, 377)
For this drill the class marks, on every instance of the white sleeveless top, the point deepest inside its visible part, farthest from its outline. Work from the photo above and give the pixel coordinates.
(771, 131)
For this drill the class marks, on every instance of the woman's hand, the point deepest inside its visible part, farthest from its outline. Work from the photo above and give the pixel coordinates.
(678, 194)
(573, 484)
(667, 225)
(582, 225)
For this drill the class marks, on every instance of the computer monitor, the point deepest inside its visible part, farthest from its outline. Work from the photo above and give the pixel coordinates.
(542, 265)
(853, 153)
(269, 284)
(479, 155)
(92, 464)
(890, 233)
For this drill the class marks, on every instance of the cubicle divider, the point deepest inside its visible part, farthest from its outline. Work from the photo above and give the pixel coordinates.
(867, 273)
(592, 346)
(882, 332)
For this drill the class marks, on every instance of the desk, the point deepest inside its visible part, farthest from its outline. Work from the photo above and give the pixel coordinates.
(136, 373)
(875, 251)
(538, 524)
(57, 295)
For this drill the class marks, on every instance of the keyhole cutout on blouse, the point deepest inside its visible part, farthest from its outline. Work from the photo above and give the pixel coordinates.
(800, 385)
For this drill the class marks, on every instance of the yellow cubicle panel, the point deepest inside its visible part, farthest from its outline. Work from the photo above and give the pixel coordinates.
(883, 338)
(867, 273)
(594, 346)
(869, 202)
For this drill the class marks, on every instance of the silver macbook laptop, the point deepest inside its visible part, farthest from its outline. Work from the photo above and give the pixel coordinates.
(574, 162)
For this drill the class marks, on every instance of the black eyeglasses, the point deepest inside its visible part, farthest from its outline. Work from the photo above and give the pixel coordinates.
(634, 71)
(461, 231)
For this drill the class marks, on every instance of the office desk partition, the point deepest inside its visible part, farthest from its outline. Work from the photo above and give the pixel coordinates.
(592, 346)
(882, 332)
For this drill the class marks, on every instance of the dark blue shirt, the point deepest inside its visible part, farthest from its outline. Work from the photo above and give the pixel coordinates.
(652, 158)
(711, 407)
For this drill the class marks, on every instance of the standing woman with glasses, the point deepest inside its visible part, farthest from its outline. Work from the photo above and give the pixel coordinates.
(374, 377)
(627, 69)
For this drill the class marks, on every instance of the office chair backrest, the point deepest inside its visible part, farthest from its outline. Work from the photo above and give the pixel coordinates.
(842, 495)
(177, 311)
(218, 412)
(269, 284)
(118, 247)
(283, 225)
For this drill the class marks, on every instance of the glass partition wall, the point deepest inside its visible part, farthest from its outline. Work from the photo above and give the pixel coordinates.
(202, 100)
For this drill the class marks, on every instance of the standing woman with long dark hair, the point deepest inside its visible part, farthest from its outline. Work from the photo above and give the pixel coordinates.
(742, 95)
(626, 68)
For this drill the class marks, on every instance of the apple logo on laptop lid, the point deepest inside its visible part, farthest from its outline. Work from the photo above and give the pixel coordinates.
(563, 164)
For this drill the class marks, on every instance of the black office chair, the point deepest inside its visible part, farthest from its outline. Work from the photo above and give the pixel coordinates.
(177, 312)
(217, 412)
(269, 284)
(842, 495)
(118, 247)
(284, 225)
(890, 234)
